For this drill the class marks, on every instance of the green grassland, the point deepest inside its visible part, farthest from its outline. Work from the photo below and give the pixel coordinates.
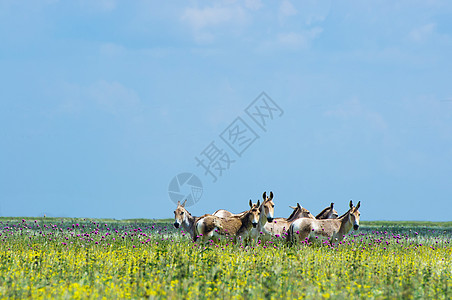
(115, 259)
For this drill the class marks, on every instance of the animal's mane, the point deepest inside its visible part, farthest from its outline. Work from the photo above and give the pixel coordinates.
(263, 204)
(293, 213)
(322, 212)
(348, 212)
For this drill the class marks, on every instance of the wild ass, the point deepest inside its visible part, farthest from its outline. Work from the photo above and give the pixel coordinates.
(281, 225)
(333, 229)
(185, 219)
(328, 213)
(235, 226)
(223, 213)
(267, 209)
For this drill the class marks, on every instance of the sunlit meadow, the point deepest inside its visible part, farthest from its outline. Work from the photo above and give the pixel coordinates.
(81, 258)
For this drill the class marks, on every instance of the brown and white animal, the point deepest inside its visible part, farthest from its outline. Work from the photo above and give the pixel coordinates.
(185, 219)
(223, 213)
(280, 225)
(328, 213)
(211, 226)
(333, 229)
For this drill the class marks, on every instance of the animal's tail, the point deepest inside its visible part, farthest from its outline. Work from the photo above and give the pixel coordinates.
(195, 231)
(195, 235)
(289, 237)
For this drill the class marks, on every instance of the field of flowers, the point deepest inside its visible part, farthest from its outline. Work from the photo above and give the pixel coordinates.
(78, 258)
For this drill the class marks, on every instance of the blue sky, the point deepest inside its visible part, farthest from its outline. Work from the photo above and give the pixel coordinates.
(103, 102)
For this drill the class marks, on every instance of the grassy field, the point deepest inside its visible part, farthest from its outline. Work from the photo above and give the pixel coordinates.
(86, 258)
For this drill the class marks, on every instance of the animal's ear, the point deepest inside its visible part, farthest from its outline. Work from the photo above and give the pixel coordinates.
(258, 203)
(351, 204)
(251, 203)
(358, 205)
(293, 207)
(332, 204)
(178, 202)
(298, 205)
(183, 204)
(271, 195)
(264, 196)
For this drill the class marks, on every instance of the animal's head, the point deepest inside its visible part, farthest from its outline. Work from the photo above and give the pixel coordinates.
(354, 215)
(295, 212)
(332, 214)
(304, 213)
(254, 213)
(268, 206)
(328, 213)
(300, 212)
(180, 214)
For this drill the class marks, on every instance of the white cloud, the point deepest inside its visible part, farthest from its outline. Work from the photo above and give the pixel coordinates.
(253, 4)
(200, 18)
(206, 22)
(111, 49)
(100, 5)
(298, 40)
(422, 33)
(110, 97)
(313, 11)
(353, 110)
(307, 11)
(287, 9)
(113, 97)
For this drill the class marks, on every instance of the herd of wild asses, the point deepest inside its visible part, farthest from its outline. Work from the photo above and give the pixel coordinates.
(258, 222)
